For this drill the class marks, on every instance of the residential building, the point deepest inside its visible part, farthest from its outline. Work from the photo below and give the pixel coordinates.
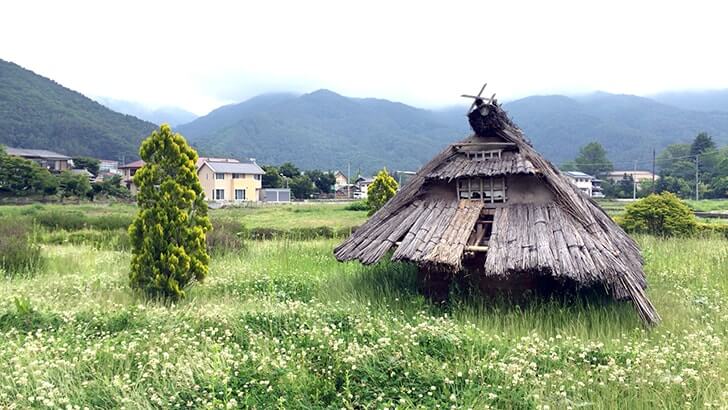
(50, 160)
(230, 180)
(362, 187)
(582, 181)
(341, 180)
(638, 176)
(109, 166)
(128, 171)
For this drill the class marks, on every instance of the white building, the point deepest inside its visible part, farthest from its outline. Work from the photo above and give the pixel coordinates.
(362, 185)
(586, 183)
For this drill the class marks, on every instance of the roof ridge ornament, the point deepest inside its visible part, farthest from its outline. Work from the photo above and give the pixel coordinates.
(485, 114)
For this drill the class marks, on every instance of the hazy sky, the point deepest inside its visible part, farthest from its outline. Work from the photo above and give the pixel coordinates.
(200, 55)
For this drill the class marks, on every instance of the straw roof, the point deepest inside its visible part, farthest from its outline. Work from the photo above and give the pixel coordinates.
(567, 237)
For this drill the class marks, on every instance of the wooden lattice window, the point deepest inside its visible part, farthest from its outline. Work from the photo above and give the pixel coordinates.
(490, 189)
(484, 154)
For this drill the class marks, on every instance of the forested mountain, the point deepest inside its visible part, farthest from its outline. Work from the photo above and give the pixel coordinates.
(327, 130)
(36, 112)
(711, 100)
(322, 130)
(629, 127)
(170, 115)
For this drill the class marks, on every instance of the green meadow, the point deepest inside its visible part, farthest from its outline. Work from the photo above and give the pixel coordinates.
(280, 324)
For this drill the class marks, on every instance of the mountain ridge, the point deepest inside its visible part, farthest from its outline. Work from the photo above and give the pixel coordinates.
(404, 137)
(37, 112)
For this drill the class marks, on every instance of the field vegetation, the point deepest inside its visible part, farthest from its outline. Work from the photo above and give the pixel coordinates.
(280, 324)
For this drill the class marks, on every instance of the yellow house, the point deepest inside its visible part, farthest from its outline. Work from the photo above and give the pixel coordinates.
(230, 181)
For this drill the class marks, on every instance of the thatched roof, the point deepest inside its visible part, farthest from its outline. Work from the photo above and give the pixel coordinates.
(567, 237)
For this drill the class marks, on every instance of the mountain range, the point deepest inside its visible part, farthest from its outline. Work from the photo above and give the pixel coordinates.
(326, 130)
(36, 112)
(170, 115)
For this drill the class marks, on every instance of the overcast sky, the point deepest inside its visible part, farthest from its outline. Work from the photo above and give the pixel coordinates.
(199, 56)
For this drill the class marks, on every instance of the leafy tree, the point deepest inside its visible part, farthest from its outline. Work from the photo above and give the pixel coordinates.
(718, 187)
(168, 233)
(301, 186)
(111, 187)
(72, 185)
(324, 181)
(675, 161)
(592, 159)
(21, 177)
(660, 214)
(289, 170)
(675, 185)
(271, 178)
(89, 164)
(381, 190)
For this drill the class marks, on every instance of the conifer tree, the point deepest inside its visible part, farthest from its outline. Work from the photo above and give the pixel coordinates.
(168, 233)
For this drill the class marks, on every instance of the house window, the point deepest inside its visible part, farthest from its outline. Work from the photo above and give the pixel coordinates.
(238, 176)
(220, 194)
(219, 175)
(240, 195)
(484, 154)
(490, 190)
(257, 177)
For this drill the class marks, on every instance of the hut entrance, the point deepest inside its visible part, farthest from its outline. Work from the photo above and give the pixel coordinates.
(483, 229)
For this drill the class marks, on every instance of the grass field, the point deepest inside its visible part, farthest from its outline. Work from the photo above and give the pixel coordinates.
(283, 325)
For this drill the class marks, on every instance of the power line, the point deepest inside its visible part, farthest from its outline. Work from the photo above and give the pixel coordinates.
(649, 161)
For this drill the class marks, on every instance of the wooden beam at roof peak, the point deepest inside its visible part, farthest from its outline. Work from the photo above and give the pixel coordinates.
(485, 144)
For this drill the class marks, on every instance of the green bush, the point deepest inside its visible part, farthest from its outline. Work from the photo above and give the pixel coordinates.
(718, 229)
(18, 254)
(226, 236)
(357, 206)
(660, 214)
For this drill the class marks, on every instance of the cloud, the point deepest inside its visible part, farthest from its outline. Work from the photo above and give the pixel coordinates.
(198, 56)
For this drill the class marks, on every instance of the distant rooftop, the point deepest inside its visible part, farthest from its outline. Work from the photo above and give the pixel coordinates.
(578, 174)
(202, 160)
(135, 164)
(35, 153)
(235, 167)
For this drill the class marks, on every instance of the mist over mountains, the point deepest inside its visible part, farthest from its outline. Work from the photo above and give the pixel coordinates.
(170, 115)
(326, 130)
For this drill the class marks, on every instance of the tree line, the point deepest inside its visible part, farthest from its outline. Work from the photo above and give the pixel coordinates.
(303, 184)
(20, 177)
(678, 168)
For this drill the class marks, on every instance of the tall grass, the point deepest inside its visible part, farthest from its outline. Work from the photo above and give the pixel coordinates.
(18, 253)
(283, 325)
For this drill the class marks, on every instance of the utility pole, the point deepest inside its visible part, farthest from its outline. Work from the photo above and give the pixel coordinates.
(653, 170)
(634, 182)
(348, 180)
(697, 177)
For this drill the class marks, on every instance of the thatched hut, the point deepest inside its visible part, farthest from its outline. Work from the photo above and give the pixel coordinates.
(491, 206)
